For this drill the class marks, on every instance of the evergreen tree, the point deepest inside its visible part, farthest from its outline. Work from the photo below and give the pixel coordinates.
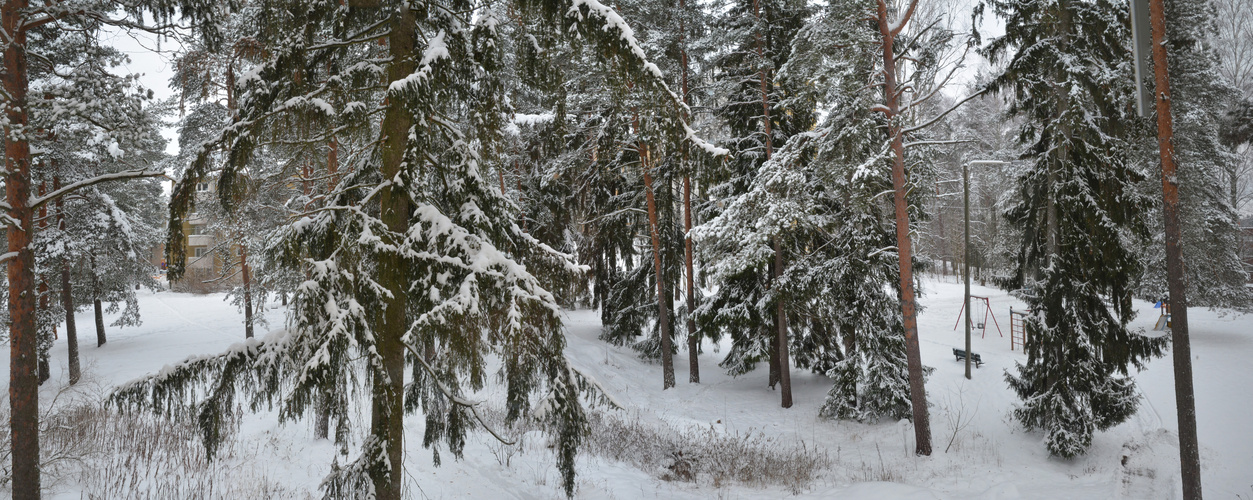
(1067, 73)
(417, 260)
(754, 40)
(853, 332)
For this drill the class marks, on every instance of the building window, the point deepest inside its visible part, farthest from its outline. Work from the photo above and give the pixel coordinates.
(200, 251)
(202, 186)
(199, 229)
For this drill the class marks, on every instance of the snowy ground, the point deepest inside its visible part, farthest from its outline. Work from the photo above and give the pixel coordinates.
(989, 458)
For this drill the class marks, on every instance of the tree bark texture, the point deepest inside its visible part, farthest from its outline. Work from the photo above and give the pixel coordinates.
(41, 291)
(67, 296)
(785, 374)
(243, 265)
(1185, 401)
(23, 354)
(387, 409)
(100, 339)
(663, 309)
(693, 338)
(95, 283)
(909, 308)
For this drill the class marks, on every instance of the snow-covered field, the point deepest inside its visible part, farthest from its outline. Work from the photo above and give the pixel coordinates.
(990, 457)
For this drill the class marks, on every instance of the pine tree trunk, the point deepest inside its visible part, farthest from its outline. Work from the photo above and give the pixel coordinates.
(693, 339)
(1185, 402)
(67, 297)
(909, 309)
(663, 309)
(95, 293)
(23, 353)
(387, 380)
(779, 351)
(100, 339)
(322, 417)
(774, 356)
(243, 264)
(785, 373)
(45, 369)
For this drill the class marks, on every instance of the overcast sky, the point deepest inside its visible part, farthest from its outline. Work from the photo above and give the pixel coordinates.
(155, 67)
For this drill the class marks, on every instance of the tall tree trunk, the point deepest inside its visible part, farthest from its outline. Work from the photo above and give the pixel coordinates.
(909, 308)
(67, 296)
(663, 309)
(387, 380)
(332, 166)
(785, 373)
(1185, 402)
(780, 351)
(45, 370)
(100, 339)
(243, 264)
(95, 293)
(322, 421)
(693, 338)
(774, 353)
(23, 354)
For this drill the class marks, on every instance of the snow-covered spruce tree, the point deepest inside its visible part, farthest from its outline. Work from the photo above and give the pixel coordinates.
(754, 40)
(850, 326)
(1214, 273)
(571, 154)
(1067, 73)
(417, 261)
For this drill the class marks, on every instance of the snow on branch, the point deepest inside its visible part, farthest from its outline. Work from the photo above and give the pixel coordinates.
(37, 201)
(626, 35)
(896, 27)
(940, 116)
(436, 50)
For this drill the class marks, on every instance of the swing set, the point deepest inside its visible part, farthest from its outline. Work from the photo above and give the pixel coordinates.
(977, 303)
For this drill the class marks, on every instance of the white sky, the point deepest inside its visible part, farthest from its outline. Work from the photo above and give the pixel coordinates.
(154, 66)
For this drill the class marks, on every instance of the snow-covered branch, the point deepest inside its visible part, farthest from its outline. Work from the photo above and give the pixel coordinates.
(896, 27)
(37, 201)
(938, 142)
(940, 116)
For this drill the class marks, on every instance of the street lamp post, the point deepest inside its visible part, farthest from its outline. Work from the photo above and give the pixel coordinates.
(966, 246)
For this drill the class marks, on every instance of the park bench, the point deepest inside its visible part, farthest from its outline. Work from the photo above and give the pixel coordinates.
(974, 357)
